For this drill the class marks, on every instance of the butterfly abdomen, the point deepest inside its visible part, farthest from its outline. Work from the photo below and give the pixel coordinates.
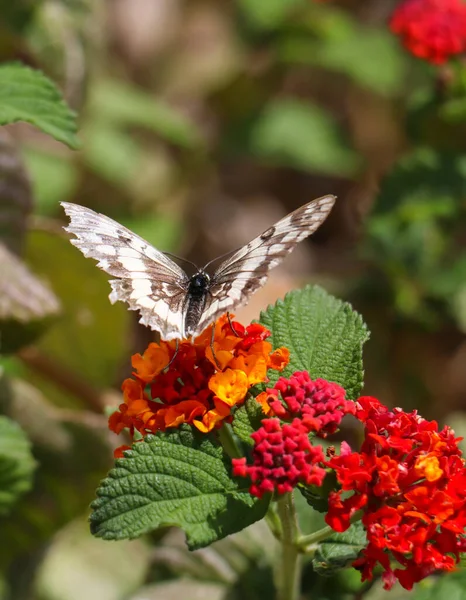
(196, 298)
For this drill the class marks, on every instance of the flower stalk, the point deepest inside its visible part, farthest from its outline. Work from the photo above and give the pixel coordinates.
(288, 568)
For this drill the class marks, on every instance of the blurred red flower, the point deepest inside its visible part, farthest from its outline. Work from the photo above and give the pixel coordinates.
(433, 30)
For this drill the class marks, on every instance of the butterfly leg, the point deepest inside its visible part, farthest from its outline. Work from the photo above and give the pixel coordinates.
(231, 325)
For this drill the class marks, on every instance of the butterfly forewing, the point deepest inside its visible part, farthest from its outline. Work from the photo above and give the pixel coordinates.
(147, 279)
(237, 278)
(162, 292)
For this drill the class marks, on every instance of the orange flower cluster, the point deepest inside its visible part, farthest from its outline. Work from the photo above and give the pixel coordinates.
(195, 385)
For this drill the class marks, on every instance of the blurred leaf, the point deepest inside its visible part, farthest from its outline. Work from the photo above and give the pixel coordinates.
(177, 478)
(412, 236)
(28, 95)
(424, 184)
(339, 550)
(183, 588)
(18, 15)
(302, 135)
(268, 14)
(91, 335)
(231, 561)
(15, 195)
(449, 585)
(25, 303)
(160, 230)
(309, 520)
(119, 103)
(353, 50)
(324, 335)
(16, 464)
(54, 178)
(377, 592)
(78, 566)
(73, 453)
(113, 154)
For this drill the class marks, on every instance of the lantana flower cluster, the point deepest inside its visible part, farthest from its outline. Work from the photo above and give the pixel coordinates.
(283, 454)
(433, 30)
(409, 481)
(199, 382)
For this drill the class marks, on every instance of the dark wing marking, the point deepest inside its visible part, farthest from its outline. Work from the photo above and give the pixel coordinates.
(247, 270)
(147, 279)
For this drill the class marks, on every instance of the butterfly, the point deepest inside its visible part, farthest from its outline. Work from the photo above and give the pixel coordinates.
(177, 305)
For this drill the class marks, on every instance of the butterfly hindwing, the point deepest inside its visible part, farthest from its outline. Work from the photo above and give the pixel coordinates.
(237, 278)
(162, 292)
(147, 279)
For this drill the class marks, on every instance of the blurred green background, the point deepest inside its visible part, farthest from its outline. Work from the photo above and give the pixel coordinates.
(201, 123)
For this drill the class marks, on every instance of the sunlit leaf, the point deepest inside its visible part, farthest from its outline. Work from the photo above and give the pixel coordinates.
(325, 337)
(28, 95)
(174, 478)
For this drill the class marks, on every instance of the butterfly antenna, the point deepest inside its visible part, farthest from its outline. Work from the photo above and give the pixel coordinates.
(219, 258)
(177, 348)
(181, 259)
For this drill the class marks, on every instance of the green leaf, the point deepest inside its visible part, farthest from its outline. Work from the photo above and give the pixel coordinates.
(28, 95)
(126, 105)
(178, 478)
(16, 464)
(357, 52)
(302, 135)
(323, 334)
(268, 14)
(54, 178)
(339, 550)
(74, 452)
(247, 420)
(449, 585)
(98, 329)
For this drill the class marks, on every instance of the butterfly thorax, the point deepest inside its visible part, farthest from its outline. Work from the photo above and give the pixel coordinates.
(196, 298)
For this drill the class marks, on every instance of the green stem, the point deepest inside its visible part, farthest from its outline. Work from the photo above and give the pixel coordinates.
(288, 569)
(314, 538)
(306, 542)
(273, 521)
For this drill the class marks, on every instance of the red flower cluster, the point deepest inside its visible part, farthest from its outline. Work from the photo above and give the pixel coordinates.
(320, 404)
(192, 385)
(283, 455)
(433, 30)
(409, 481)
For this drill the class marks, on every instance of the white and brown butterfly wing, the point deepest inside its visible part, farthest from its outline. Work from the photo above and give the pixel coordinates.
(237, 278)
(146, 279)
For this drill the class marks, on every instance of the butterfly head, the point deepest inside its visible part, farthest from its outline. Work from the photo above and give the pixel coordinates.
(198, 284)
